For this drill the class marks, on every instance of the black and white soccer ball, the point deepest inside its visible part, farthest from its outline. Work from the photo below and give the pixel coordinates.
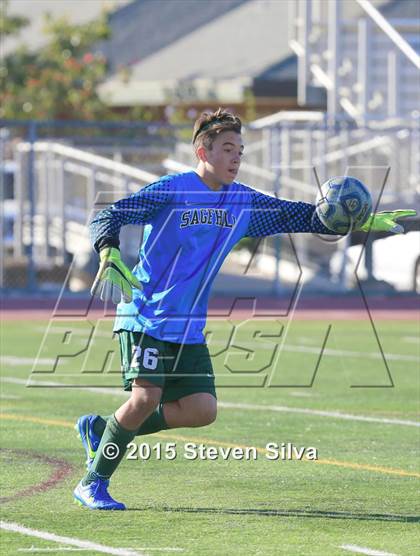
(343, 204)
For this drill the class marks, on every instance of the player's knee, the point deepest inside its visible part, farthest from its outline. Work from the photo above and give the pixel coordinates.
(207, 414)
(143, 406)
(145, 397)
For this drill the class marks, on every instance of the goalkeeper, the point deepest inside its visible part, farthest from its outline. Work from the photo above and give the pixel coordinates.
(191, 222)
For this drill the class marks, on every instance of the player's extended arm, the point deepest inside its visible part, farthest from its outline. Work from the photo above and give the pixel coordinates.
(274, 216)
(386, 221)
(114, 279)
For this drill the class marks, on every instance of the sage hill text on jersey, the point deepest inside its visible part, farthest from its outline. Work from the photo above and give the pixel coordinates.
(209, 216)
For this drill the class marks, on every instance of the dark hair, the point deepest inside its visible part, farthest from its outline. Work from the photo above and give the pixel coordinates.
(208, 126)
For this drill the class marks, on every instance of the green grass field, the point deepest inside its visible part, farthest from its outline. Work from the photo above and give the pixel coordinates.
(361, 492)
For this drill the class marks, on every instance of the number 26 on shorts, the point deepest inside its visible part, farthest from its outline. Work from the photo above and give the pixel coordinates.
(148, 361)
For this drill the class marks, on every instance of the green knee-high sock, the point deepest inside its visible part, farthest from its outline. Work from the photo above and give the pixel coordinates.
(154, 423)
(102, 466)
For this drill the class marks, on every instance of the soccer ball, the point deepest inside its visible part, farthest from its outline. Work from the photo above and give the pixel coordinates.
(343, 204)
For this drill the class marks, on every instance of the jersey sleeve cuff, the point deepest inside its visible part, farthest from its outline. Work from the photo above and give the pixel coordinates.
(106, 242)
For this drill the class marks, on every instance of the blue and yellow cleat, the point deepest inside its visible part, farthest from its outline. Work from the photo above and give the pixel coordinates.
(90, 440)
(95, 496)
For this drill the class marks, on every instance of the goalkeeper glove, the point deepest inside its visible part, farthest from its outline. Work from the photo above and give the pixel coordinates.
(114, 280)
(386, 221)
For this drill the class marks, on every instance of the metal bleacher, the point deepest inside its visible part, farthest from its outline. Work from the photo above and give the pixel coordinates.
(369, 65)
(370, 69)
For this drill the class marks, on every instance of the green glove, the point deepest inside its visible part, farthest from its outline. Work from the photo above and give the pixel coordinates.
(114, 280)
(386, 221)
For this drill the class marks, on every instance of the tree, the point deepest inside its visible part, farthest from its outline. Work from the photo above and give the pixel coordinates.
(59, 80)
(10, 25)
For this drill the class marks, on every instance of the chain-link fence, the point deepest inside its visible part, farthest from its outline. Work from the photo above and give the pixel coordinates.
(52, 172)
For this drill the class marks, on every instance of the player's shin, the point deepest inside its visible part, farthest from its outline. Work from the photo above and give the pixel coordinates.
(111, 451)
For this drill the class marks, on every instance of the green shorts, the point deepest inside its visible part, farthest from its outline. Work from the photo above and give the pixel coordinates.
(179, 369)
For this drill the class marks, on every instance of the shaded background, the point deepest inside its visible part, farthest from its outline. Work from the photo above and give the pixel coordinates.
(99, 101)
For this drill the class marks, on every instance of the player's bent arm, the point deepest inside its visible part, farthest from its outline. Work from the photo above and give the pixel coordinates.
(138, 208)
(274, 216)
(114, 280)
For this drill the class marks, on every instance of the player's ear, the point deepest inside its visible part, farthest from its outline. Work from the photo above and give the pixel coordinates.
(202, 153)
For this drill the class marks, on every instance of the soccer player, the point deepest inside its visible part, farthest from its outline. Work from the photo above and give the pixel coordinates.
(191, 222)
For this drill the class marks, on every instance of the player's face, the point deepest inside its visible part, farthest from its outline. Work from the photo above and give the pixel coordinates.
(222, 161)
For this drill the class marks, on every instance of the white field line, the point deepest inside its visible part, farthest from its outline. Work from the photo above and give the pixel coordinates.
(364, 550)
(301, 394)
(306, 340)
(348, 353)
(267, 345)
(328, 351)
(15, 360)
(320, 413)
(96, 390)
(235, 405)
(75, 332)
(16, 528)
(411, 339)
(34, 549)
(28, 382)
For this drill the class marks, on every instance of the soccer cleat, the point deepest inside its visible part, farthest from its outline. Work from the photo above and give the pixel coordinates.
(95, 496)
(90, 440)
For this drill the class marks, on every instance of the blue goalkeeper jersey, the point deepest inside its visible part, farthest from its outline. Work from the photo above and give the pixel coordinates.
(188, 231)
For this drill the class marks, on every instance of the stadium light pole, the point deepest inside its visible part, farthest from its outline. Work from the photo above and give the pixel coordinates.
(32, 136)
(334, 10)
(3, 138)
(363, 66)
(276, 163)
(303, 59)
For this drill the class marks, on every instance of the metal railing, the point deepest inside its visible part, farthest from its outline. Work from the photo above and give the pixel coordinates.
(57, 187)
(391, 32)
(369, 66)
(68, 183)
(283, 153)
(54, 190)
